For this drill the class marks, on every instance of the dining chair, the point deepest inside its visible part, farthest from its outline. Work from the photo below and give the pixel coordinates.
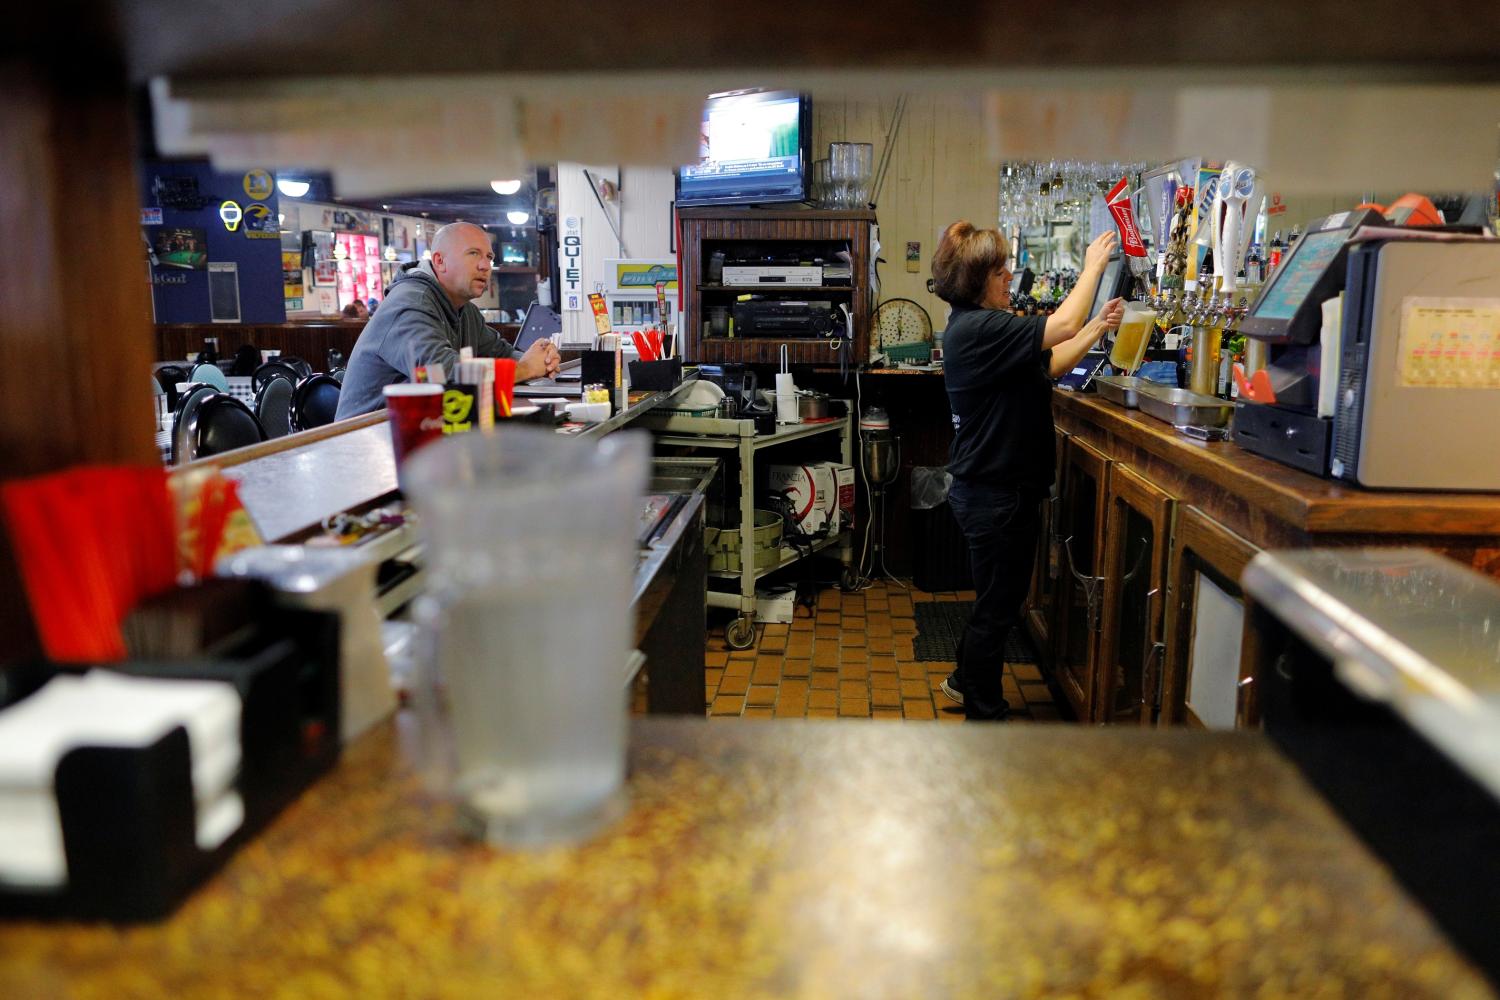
(211, 375)
(273, 405)
(184, 447)
(271, 369)
(221, 423)
(315, 402)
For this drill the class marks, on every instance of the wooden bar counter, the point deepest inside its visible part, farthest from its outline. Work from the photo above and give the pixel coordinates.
(1136, 605)
(791, 859)
(1265, 499)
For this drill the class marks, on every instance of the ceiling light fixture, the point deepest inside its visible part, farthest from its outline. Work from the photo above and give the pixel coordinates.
(291, 188)
(505, 187)
(518, 218)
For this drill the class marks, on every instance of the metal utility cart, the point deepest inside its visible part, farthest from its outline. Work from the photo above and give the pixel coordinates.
(739, 436)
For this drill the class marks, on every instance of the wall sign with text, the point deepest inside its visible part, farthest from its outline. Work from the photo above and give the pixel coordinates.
(570, 263)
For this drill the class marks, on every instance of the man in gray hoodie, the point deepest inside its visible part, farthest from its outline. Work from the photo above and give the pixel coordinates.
(427, 316)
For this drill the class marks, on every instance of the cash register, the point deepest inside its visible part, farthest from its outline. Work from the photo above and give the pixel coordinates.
(1278, 414)
(1409, 372)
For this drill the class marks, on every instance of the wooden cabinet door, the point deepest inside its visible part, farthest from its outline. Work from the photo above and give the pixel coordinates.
(1209, 678)
(1137, 540)
(1082, 514)
(1041, 606)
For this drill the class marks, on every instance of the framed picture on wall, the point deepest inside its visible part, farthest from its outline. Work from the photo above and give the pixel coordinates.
(181, 248)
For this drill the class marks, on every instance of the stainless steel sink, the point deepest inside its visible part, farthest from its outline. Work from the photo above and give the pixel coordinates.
(681, 475)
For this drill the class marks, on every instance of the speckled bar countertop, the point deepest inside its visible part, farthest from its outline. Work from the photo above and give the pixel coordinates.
(801, 859)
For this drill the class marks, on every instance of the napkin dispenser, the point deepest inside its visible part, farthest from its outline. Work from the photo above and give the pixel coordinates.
(340, 580)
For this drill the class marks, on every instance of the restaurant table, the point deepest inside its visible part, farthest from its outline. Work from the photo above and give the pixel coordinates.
(800, 859)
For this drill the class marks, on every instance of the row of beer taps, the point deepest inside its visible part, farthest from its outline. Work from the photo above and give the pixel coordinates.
(1225, 213)
(1199, 308)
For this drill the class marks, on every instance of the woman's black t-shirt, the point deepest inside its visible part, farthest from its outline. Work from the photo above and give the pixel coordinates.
(1000, 394)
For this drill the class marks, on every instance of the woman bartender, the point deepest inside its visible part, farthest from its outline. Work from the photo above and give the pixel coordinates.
(998, 368)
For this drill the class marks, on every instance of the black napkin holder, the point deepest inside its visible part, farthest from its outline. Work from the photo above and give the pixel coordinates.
(128, 814)
(598, 368)
(656, 375)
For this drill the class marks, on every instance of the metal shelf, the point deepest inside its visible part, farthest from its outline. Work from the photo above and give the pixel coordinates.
(739, 436)
(775, 287)
(711, 432)
(789, 555)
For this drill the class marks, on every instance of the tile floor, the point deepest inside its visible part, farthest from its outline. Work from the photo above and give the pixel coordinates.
(852, 660)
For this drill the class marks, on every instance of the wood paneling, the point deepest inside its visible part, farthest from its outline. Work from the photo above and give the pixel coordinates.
(1457, 40)
(308, 341)
(75, 313)
(939, 172)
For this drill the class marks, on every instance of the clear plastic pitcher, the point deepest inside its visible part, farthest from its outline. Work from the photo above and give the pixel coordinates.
(531, 541)
(1133, 337)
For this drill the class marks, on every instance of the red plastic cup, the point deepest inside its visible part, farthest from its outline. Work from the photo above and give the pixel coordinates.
(416, 410)
(505, 386)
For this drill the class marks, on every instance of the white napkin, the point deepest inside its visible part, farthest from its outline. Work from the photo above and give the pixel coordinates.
(106, 708)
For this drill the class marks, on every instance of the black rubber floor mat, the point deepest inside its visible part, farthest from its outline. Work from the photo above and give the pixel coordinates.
(941, 623)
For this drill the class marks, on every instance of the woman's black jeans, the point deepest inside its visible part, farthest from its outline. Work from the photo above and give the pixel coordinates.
(1001, 526)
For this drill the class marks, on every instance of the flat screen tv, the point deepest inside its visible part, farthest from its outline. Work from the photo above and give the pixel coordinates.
(753, 149)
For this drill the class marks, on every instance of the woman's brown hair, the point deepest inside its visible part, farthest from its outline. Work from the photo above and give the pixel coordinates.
(964, 261)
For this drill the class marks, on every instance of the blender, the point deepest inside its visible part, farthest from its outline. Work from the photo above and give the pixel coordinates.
(880, 461)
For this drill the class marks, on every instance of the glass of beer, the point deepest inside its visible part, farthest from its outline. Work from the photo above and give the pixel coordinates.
(1133, 337)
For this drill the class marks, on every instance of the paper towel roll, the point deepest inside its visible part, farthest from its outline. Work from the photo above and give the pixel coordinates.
(786, 399)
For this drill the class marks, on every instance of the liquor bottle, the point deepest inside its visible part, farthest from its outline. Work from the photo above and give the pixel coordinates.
(1276, 249)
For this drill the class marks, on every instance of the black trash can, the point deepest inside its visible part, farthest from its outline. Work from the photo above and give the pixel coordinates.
(940, 555)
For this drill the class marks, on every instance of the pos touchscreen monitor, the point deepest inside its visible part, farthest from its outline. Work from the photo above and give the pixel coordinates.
(1113, 284)
(1289, 309)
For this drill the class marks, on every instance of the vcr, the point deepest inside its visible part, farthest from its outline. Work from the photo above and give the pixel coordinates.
(785, 319)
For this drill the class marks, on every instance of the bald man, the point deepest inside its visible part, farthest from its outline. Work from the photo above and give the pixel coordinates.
(427, 316)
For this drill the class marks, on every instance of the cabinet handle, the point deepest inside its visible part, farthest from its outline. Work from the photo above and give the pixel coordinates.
(1157, 649)
(1052, 520)
(1092, 589)
(1087, 581)
(1139, 558)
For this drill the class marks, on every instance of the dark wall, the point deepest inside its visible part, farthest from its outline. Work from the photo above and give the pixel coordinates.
(181, 295)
